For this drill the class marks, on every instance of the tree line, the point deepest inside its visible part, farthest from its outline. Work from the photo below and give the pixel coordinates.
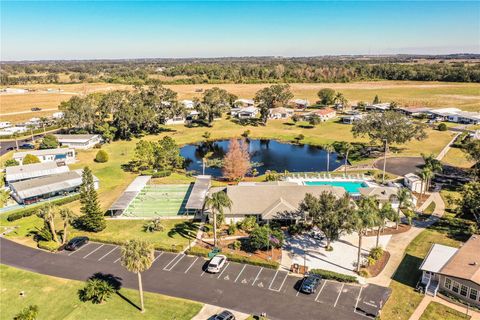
(245, 70)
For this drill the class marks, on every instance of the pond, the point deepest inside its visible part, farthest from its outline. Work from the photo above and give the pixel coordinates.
(265, 154)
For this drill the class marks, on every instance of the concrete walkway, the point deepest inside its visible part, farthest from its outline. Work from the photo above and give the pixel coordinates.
(475, 315)
(445, 150)
(399, 242)
(209, 311)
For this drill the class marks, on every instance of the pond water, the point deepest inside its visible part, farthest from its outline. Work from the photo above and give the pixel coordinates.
(266, 154)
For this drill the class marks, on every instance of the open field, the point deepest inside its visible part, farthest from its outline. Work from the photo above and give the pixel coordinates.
(457, 158)
(67, 305)
(414, 93)
(437, 310)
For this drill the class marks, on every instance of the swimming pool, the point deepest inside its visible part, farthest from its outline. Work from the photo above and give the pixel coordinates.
(350, 186)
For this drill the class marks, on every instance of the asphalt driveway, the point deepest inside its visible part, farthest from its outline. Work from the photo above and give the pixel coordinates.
(241, 287)
(400, 166)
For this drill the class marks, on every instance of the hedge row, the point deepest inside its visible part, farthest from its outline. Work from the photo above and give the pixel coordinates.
(202, 252)
(33, 210)
(51, 246)
(334, 275)
(175, 248)
(156, 174)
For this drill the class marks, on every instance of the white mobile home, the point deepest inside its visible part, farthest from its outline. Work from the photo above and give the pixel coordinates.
(66, 155)
(79, 141)
(34, 170)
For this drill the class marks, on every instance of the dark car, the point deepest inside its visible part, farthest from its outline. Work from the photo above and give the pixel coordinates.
(10, 148)
(27, 146)
(36, 109)
(76, 243)
(310, 283)
(224, 315)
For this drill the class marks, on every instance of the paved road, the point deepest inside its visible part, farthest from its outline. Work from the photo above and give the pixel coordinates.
(4, 145)
(241, 287)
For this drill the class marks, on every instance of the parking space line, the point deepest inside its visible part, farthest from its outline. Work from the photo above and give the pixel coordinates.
(108, 253)
(171, 261)
(358, 299)
(283, 282)
(191, 265)
(177, 261)
(299, 288)
(339, 294)
(223, 270)
(240, 273)
(258, 274)
(116, 260)
(79, 249)
(321, 289)
(93, 251)
(270, 286)
(161, 252)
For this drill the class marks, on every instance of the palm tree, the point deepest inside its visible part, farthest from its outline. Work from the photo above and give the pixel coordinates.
(328, 149)
(363, 218)
(48, 212)
(434, 165)
(404, 200)
(137, 256)
(68, 217)
(217, 202)
(426, 174)
(15, 135)
(384, 213)
(346, 147)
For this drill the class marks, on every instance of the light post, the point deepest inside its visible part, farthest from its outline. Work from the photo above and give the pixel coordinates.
(384, 161)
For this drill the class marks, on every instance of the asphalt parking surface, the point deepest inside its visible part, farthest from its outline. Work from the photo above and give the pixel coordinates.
(241, 287)
(400, 166)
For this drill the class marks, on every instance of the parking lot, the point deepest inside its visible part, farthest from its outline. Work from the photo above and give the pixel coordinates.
(355, 299)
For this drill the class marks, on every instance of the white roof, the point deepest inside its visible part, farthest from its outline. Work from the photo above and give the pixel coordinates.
(246, 101)
(383, 106)
(300, 101)
(248, 109)
(43, 152)
(412, 177)
(445, 111)
(81, 138)
(437, 257)
(34, 170)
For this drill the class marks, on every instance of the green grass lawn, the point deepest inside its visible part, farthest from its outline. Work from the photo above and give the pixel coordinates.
(175, 233)
(437, 310)
(457, 158)
(58, 299)
(404, 300)
(430, 208)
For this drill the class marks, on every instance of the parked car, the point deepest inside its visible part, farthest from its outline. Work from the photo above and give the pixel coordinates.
(224, 315)
(10, 148)
(27, 146)
(310, 283)
(76, 243)
(217, 263)
(36, 109)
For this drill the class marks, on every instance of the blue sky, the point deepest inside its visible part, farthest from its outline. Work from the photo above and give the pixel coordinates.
(137, 29)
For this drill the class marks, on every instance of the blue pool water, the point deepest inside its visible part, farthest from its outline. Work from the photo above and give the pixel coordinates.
(349, 186)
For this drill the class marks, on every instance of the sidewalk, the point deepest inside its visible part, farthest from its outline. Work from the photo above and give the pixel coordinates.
(208, 311)
(399, 242)
(445, 150)
(475, 315)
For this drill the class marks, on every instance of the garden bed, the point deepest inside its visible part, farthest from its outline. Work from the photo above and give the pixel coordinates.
(377, 268)
(390, 230)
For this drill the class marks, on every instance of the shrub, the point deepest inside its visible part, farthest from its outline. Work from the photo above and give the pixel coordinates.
(102, 156)
(334, 275)
(31, 211)
(299, 138)
(237, 245)
(161, 174)
(11, 163)
(96, 291)
(442, 127)
(376, 253)
(248, 224)
(364, 273)
(371, 261)
(232, 228)
(30, 158)
(29, 313)
(49, 141)
(51, 246)
(261, 238)
(153, 225)
(246, 133)
(272, 175)
(297, 228)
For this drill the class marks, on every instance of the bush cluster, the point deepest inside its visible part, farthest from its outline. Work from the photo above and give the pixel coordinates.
(334, 275)
(102, 156)
(31, 211)
(51, 246)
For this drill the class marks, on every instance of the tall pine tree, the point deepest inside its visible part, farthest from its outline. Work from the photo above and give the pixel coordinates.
(93, 218)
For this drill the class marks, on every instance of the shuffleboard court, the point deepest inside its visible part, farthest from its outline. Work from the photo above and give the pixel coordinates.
(159, 201)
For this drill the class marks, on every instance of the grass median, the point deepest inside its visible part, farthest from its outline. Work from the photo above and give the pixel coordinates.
(38, 290)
